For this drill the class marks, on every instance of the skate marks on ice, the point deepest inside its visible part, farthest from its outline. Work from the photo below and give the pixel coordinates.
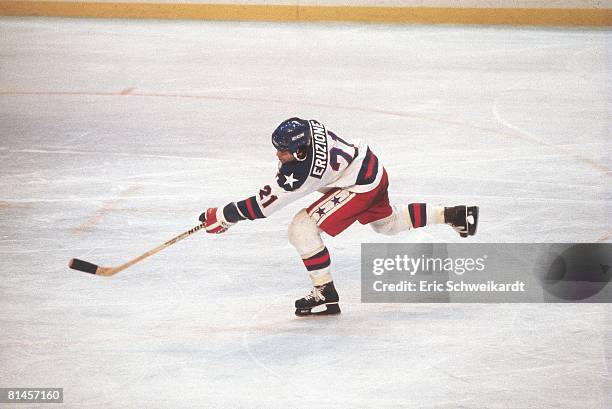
(12, 205)
(605, 237)
(407, 114)
(109, 206)
(55, 151)
(450, 354)
(127, 91)
(436, 353)
(117, 335)
(497, 109)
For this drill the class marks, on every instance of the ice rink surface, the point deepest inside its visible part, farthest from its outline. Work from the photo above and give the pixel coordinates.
(115, 135)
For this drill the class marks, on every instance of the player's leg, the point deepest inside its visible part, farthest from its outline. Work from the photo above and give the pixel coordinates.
(405, 217)
(336, 210)
(392, 219)
(305, 236)
(464, 219)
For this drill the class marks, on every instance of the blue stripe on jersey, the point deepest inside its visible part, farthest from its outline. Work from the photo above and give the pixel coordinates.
(250, 208)
(231, 213)
(369, 169)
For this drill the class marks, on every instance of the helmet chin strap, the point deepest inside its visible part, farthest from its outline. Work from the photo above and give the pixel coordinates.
(297, 157)
(301, 154)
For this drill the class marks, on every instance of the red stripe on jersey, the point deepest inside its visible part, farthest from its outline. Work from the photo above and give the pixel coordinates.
(370, 167)
(319, 260)
(250, 209)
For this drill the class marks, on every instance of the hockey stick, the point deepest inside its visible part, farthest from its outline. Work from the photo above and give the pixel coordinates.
(90, 268)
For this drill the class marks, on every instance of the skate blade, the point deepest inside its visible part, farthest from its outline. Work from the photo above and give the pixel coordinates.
(331, 309)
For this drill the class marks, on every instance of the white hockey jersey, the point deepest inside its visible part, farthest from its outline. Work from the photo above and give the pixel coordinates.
(332, 162)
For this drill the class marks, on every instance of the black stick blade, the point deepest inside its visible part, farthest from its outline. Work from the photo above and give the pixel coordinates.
(81, 265)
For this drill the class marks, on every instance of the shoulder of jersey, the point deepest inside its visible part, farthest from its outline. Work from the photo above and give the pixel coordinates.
(292, 175)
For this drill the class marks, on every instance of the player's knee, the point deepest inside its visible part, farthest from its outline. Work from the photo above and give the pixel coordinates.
(385, 228)
(395, 223)
(304, 233)
(301, 227)
(389, 226)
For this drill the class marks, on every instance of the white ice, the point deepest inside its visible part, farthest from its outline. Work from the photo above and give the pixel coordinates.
(115, 135)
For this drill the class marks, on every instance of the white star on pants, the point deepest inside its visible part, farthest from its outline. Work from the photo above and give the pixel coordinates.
(289, 180)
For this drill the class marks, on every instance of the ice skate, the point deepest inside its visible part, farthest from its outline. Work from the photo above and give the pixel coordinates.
(464, 219)
(320, 295)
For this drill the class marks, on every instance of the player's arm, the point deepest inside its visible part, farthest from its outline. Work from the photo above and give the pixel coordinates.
(219, 220)
(268, 200)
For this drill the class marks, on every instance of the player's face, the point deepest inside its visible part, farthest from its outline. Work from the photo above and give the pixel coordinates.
(284, 156)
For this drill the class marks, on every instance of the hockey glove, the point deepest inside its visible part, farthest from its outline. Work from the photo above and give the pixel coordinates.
(215, 222)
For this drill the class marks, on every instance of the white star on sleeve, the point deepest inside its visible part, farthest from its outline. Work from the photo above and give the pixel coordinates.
(289, 180)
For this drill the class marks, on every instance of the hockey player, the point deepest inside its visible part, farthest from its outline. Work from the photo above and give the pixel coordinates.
(354, 186)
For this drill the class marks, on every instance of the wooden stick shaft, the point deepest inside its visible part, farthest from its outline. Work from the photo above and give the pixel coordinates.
(109, 271)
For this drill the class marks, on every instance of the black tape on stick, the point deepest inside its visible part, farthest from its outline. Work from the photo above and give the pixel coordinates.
(81, 265)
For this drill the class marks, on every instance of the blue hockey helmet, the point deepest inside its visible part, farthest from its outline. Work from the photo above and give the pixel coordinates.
(291, 135)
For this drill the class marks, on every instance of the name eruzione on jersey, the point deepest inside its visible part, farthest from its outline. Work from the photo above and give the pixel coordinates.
(319, 163)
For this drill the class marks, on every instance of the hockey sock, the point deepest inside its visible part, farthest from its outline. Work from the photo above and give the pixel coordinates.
(418, 214)
(435, 214)
(318, 267)
(422, 214)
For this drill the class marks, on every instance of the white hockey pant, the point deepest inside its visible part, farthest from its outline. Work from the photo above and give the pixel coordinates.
(398, 221)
